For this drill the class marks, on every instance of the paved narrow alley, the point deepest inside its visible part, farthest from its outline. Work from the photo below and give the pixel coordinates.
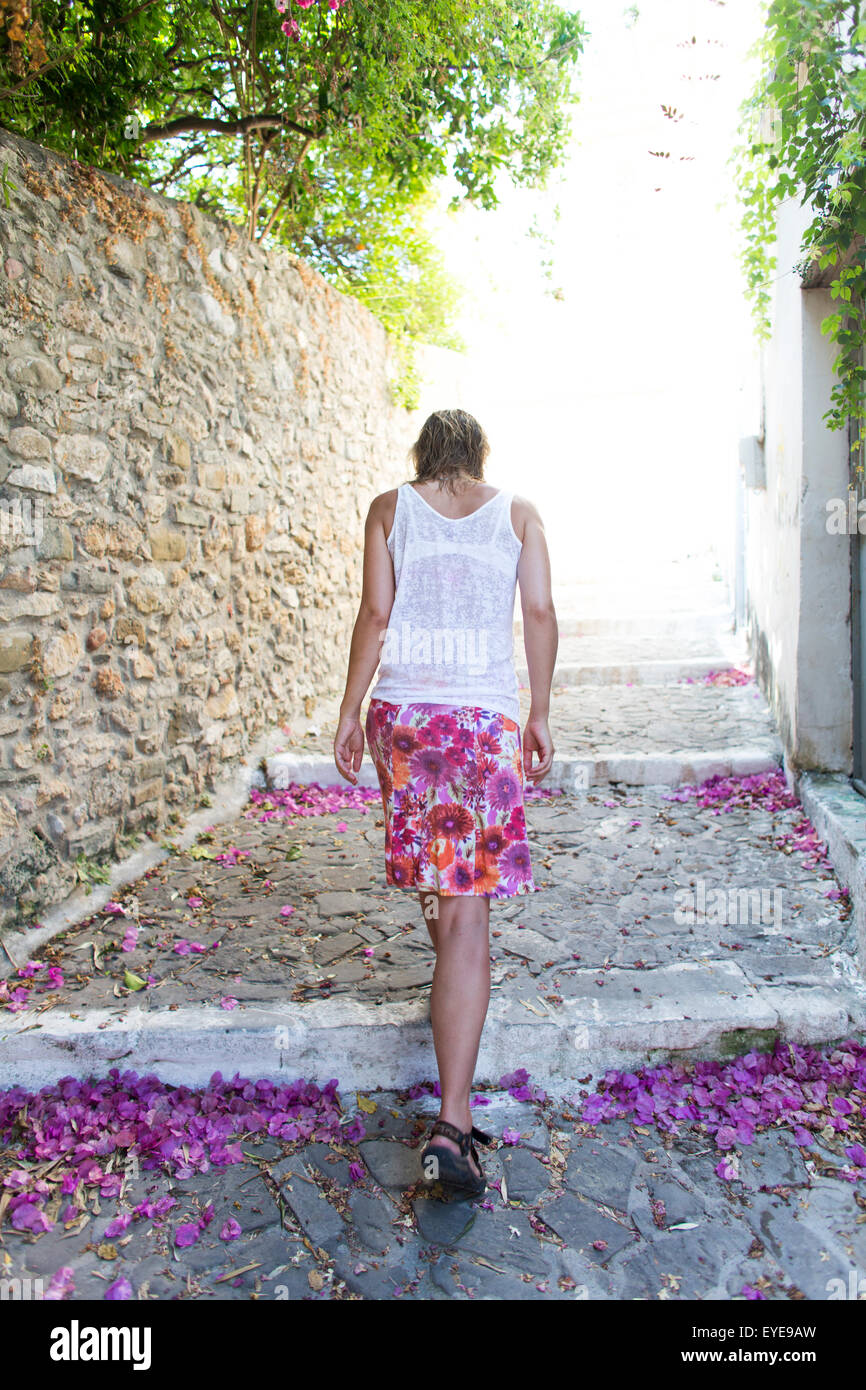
(689, 918)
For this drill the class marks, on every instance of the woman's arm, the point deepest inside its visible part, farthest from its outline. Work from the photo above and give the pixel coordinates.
(540, 638)
(377, 600)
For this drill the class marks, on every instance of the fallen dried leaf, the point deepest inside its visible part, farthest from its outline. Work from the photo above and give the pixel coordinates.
(233, 1273)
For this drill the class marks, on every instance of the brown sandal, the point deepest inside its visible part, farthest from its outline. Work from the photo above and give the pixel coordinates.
(453, 1172)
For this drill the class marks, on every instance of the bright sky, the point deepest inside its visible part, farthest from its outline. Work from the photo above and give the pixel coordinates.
(617, 408)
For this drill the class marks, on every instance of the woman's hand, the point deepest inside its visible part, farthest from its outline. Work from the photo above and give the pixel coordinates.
(537, 740)
(349, 747)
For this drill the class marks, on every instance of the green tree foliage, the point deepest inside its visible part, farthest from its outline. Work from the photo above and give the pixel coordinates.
(805, 137)
(319, 124)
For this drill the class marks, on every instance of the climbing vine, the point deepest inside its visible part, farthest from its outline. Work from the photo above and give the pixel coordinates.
(804, 136)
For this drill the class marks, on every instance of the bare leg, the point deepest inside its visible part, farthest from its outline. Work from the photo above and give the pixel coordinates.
(459, 998)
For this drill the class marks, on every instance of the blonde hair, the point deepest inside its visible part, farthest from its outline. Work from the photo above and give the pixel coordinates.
(452, 445)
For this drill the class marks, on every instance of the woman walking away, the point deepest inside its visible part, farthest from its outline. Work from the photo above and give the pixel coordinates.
(443, 555)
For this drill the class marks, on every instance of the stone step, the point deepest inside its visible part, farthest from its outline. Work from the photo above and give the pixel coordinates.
(613, 594)
(681, 1012)
(649, 734)
(599, 969)
(676, 768)
(621, 649)
(664, 622)
(635, 673)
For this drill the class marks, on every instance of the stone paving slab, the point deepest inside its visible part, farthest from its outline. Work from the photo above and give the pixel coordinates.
(572, 1212)
(640, 658)
(836, 810)
(606, 649)
(589, 722)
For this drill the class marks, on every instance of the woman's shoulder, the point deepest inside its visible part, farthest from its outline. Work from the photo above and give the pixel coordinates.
(522, 512)
(385, 499)
(383, 508)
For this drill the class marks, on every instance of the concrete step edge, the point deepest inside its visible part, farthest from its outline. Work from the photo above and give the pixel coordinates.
(674, 768)
(635, 673)
(670, 623)
(391, 1046)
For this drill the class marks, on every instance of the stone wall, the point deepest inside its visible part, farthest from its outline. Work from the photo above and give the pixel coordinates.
(191, 430)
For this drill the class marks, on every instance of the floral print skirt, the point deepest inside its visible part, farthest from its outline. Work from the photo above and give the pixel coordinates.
(451, 778)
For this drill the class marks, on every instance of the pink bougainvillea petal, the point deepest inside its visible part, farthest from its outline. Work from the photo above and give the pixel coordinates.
(121, 1288)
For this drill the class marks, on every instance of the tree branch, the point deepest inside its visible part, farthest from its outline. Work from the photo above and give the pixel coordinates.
(212, 125)
(287, 189)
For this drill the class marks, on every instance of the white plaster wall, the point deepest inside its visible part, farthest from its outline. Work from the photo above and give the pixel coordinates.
(824, 690)
(797, 576)
(772, 564)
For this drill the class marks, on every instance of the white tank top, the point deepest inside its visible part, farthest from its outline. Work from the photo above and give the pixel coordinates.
(450, 636)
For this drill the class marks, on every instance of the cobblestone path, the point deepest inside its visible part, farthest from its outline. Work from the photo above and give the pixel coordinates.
(265, 927)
